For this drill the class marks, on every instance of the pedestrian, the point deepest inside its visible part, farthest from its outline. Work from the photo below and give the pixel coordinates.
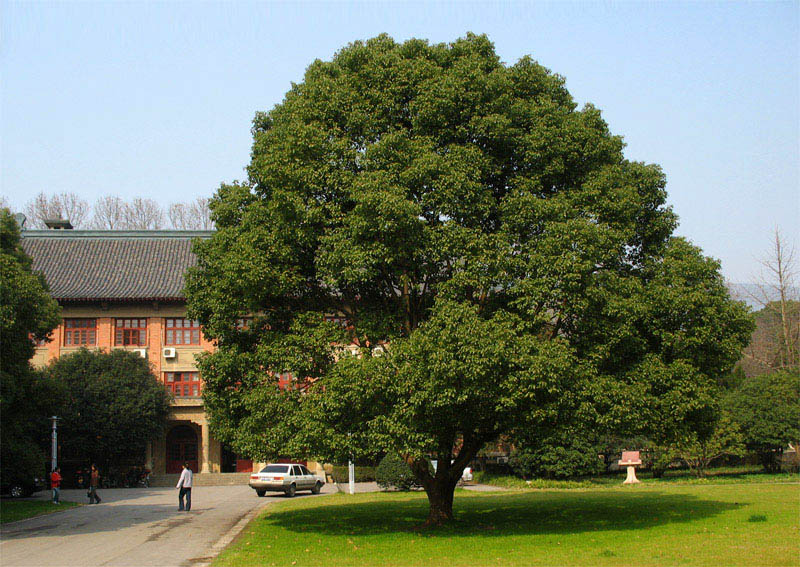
(185, 486)
(94, 482)
(55, 484)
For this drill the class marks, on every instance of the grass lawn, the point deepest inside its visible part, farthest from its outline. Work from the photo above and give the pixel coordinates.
(13, 510)
(721, 475)
(674, 524)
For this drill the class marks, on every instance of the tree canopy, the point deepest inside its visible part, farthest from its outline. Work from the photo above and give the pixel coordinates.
(489, 235)
(112, 405)
(27, 313)
(767, 408)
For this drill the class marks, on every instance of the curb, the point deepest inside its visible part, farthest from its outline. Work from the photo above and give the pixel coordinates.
(231, 534)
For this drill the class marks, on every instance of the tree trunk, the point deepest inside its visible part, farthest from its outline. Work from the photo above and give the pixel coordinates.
(440, 499)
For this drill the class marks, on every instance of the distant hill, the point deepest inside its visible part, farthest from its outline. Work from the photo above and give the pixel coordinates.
(751, 293)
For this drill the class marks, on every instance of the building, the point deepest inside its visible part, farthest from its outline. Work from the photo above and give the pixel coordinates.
(123, 289)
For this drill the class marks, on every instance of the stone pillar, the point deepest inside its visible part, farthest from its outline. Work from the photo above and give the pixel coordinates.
(206, 444)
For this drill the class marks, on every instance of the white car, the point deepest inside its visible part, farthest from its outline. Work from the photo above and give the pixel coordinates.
(285, 477)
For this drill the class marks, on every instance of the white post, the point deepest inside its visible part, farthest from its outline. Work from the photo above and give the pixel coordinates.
(351, 476)
(54, 445)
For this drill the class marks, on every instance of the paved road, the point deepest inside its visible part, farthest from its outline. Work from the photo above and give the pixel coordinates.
(133, 527)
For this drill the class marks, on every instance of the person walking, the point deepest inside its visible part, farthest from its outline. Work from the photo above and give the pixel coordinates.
(185, 486)
(55, 484)
(94, 482)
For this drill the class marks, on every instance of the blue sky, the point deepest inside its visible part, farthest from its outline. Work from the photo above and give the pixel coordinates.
(155, 99)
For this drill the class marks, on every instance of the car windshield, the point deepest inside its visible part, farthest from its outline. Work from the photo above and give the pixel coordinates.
(275, 468)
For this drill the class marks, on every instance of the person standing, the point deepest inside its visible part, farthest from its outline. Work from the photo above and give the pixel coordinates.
(185, 486)
(94, 482)
(55, 484)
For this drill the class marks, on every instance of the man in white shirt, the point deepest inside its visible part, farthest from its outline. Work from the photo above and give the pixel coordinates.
(185, 486)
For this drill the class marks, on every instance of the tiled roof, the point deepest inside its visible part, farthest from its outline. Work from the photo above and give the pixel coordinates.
(81, 265)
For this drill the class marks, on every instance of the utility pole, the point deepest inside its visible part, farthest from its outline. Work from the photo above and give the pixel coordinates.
(54, 446)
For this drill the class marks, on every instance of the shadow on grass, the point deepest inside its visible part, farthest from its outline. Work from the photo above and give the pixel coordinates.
(502, 515)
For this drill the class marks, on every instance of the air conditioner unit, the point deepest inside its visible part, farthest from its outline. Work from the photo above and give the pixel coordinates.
(169, 352)
(141, 352)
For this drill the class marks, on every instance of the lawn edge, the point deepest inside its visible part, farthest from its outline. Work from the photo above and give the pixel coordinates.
(46, 513)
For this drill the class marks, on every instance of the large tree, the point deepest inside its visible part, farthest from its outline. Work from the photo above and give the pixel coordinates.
(497, 260)
(27, 314)
(112, 406)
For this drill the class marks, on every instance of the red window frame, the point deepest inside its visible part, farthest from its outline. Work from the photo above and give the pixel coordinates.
(179, 331)
(130, 332)
(80, 332)
(184, 384)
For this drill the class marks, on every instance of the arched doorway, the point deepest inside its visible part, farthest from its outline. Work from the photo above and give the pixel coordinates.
(181, 447)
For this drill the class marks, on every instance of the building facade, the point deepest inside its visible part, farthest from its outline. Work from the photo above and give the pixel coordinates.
(123, 290)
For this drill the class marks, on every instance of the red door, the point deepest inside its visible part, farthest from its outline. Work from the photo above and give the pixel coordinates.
(181, 447)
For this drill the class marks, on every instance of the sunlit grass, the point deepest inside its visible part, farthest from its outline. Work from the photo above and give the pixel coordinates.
(14, 510)
(666, 524)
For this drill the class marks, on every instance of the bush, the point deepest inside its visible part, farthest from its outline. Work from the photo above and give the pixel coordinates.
(363, 474)
(394, 472)
(562, 455)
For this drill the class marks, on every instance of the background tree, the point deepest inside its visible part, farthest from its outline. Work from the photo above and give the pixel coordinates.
(192, 216)
(109, 213)
(698, 451)
(466, 214)
(776, 341)
(27, 314)
(767, 409)
(66, 206)
(143, 214)
(112, 407)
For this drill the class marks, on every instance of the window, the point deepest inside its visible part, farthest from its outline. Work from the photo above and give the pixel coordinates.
(130, 332)
(182, 331)
(244, 323)
(183, 384)
(80, 332)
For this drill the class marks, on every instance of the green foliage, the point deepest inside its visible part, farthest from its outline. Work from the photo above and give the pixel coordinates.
(26, 311)
(466, 213)
(767, 409)
(394, 472)
(698, 452)
(112, 405)
(561, 455)
(363, 473)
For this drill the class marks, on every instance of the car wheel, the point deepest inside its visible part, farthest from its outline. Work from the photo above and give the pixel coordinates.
(316, 488)
(261, 492)
(290, 492)
(17, 491)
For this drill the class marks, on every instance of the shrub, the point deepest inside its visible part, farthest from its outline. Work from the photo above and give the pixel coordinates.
(394, 472)
(363, 474)
(558, 456)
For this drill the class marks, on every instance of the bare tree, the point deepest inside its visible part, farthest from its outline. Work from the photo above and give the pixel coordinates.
(4, 204)
(194, 216)
(777, 337)
(178, 216)
(143, 214)
(65, 206)
(109, 213)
